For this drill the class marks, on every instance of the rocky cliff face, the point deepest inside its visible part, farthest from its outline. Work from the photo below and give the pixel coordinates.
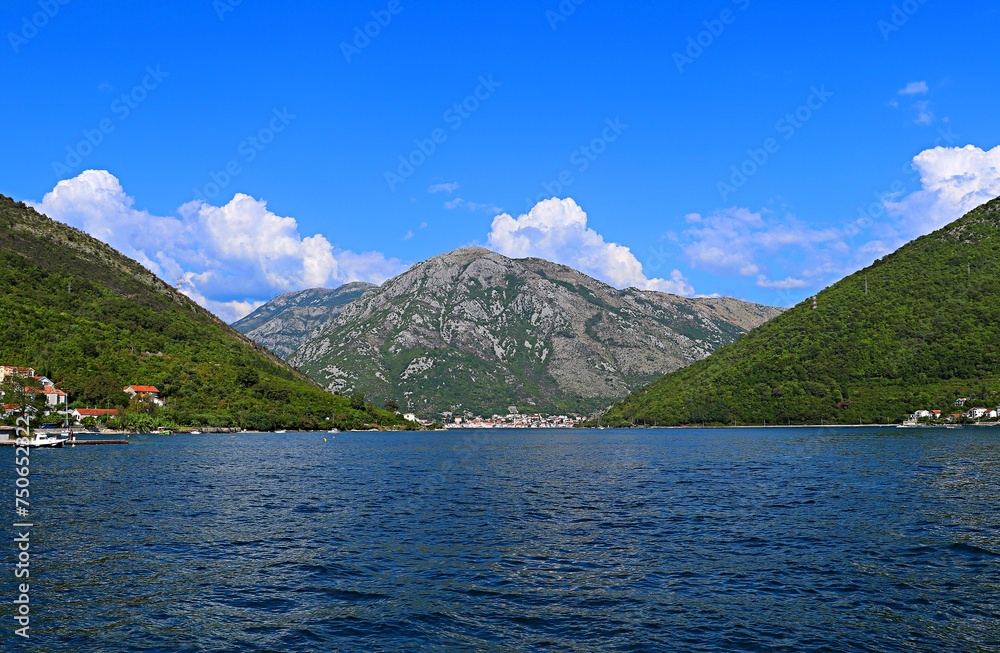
(284, 323)
(475, 331)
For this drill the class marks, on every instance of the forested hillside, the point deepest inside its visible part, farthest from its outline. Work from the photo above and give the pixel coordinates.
(915, 330)
(94, 321)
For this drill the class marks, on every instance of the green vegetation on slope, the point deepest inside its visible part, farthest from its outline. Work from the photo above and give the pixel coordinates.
(916, 330)
(84, 315)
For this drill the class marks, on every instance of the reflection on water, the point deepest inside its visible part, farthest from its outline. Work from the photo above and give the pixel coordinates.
(707, 540)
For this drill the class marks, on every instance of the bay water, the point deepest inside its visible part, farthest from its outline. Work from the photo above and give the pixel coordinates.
(514, 540)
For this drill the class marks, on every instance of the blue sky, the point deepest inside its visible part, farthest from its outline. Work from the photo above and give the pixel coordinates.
(160, 98)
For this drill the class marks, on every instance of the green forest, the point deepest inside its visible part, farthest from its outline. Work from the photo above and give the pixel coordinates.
(95, 321)
(915, 330)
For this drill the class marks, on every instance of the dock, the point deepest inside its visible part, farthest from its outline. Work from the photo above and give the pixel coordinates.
(69, 443)
(72, 442)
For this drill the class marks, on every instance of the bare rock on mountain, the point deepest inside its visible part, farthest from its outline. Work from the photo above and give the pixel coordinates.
(475, 331)
(283, 323)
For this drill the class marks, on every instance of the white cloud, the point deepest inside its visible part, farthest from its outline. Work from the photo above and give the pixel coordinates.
(449, 187)
(459, 203)
(924, 114)
(227, 258)
(954, 181)
(557, 230)
(914, 88)
(743, 242)
(737, 241)
(784, 284)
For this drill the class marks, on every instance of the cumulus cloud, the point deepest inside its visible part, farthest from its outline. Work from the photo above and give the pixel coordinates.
(448, 187)
(914, 88)
(954, 180)
(557, 230)
(230, 259)
(783, 253)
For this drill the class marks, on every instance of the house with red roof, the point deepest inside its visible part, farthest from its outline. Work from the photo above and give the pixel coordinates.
(53, 395)
(15, 409)
(147, 392)
(80, 413)
(11, 370)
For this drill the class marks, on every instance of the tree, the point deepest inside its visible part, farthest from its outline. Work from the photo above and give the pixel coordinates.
(392, 405)
(247, 377)
(15, 391)
(358, 401)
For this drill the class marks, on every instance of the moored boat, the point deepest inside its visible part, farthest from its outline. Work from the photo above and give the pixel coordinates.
(43, 441)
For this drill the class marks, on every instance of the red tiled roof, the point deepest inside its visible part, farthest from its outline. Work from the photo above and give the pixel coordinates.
(143, 388)
(95, 412)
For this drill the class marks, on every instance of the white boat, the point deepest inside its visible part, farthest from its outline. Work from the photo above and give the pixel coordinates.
(43, 441)
(282, 431)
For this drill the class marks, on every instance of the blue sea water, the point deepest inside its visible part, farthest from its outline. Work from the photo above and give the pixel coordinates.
(497, 540)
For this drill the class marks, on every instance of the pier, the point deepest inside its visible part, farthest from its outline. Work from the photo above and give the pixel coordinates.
(70, 443)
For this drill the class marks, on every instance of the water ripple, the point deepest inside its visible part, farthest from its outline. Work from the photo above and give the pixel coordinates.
(661, 540)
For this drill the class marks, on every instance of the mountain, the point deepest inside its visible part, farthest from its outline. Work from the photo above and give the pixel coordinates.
(283, 323)
(94, 320)
(916, 330)
(475, 331)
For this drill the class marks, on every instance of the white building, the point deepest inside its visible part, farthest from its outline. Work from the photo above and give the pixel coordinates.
(147, 392)
(10, 370)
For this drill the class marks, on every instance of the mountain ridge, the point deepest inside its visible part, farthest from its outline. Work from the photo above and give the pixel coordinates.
(473, 330)
(282, 323)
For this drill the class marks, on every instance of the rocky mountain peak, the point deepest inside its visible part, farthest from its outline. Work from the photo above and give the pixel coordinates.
(475, 330)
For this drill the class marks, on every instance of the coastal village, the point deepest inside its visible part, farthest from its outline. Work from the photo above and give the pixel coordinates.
(44, 400)
(975, 414)
(512, 420)
(40, 398)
